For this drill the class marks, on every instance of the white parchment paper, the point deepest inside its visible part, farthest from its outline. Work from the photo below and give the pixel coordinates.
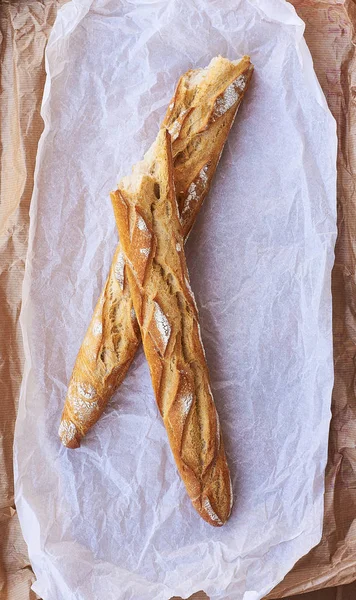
(112, 520)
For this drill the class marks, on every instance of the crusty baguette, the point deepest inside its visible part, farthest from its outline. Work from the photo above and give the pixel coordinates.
(199, 118)
(152, 239)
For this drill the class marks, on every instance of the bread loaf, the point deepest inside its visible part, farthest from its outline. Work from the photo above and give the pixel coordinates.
(199, 118)
(152, 239)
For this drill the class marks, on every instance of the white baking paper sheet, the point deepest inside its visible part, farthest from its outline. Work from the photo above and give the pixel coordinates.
(112, 520)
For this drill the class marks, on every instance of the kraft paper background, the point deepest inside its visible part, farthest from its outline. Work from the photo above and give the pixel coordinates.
(24, 29)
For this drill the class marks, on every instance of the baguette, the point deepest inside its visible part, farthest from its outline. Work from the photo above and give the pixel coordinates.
(198, 118)
(152, 239)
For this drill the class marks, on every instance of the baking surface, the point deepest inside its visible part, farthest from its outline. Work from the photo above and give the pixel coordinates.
(25, 27)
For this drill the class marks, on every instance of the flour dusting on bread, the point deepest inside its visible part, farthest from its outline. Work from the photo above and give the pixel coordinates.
(162, 324)
(86, 390)
(196, 190)
(119, 270)
(83, 408)
(141, 224)
(67, 431)
(214, 517)
(186, 403)
(229, 97)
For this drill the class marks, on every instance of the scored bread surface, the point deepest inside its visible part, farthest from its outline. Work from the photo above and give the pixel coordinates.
(152, 239)
(198, 119)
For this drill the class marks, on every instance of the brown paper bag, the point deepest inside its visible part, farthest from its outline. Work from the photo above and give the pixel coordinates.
(24, 29)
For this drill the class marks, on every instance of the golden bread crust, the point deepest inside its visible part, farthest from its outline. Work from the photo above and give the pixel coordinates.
(199, 118)
(152, 239)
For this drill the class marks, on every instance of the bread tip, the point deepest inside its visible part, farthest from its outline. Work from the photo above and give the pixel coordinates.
(206, 511)
(69, 434)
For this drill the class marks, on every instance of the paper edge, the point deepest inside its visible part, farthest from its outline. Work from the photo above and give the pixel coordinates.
(73, 12)
(290, 17)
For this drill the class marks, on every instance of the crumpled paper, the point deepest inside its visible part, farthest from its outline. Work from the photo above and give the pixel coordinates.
(24, 30)
(112, 519)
